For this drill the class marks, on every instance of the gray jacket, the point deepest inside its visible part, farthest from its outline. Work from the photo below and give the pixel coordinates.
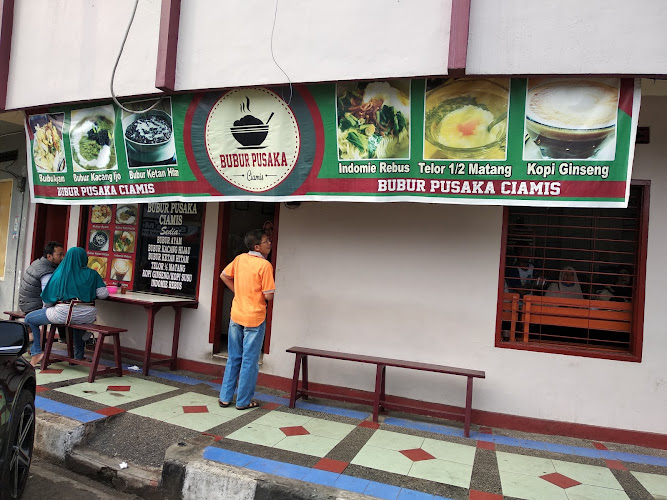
(31, 284)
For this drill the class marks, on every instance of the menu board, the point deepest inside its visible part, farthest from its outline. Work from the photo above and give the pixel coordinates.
(111, 242)
(169, 248)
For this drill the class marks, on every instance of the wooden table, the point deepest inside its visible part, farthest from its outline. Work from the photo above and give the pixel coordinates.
(152, 304)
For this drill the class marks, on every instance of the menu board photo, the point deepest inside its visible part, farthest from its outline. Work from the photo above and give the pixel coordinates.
(111, 242)
(169, 248)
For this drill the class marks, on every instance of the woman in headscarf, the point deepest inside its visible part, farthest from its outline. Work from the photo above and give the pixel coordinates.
(72, 280)
(567, 286)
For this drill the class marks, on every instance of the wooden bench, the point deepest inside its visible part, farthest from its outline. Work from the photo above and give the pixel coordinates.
(16, 315)
(379, 400)
(510, 311)
(103, 332)
(576, 313)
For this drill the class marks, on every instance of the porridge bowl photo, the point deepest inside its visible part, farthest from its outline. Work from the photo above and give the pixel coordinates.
(149, 136)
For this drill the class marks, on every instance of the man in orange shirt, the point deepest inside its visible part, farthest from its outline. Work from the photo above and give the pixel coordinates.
(250, 277)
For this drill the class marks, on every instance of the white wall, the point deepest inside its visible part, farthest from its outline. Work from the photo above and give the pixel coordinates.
(420, 282)
(64, 51)
(568, 36)
(228, 43)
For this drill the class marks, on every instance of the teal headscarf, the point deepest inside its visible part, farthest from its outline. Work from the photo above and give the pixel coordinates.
(73, 279)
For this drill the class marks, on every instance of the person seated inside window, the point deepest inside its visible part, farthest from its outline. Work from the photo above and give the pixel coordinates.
(620, 291)
(522, 278)
(567, 286)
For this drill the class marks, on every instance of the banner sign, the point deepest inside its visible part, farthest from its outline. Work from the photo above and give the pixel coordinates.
(539, 141)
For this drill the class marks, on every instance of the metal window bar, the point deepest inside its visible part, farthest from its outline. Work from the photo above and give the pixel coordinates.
(601, 245)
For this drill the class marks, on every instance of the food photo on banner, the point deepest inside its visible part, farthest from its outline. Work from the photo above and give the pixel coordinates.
(503, 141)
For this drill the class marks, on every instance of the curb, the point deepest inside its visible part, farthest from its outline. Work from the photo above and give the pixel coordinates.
(185, 474)
(191, 477)
(56, 437)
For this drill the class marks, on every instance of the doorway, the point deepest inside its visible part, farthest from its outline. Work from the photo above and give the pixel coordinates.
(51, 224)
(237, 218)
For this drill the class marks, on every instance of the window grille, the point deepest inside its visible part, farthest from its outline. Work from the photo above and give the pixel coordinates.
(573, 277)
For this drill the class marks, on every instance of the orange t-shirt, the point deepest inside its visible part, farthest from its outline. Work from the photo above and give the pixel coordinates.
(253, 276)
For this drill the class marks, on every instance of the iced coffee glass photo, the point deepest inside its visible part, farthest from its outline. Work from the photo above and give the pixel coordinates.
(569, 118)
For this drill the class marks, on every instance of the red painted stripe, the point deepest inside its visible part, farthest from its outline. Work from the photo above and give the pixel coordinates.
(626, 95)
(165, 73)
(568, 189)
(6, 28)
(458, 37)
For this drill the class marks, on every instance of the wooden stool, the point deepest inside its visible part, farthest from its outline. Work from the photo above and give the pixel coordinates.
(103, 332)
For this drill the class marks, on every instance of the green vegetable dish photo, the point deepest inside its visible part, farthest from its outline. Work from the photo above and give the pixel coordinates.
(374, 120)
(92, 139)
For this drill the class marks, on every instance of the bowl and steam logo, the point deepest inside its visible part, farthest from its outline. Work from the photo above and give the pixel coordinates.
(252, 138)
(250, 131)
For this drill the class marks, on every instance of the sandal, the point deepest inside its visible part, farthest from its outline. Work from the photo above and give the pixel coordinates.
(36, 359)
(253, 404)
(223, 405)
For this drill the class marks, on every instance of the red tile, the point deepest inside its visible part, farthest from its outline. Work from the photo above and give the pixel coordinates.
(51, 371)
(215, 437)
(294, 431)
(331, 465)
(560, 480)
(195, 409)
(119, 388)
(599, 446)
(112, 410)
(417, 454)
(270, 406)
(39, 388)
(369, 425)
(486, 430)
(486, 445)
(615, 464)
(216, 380)
(482, 495)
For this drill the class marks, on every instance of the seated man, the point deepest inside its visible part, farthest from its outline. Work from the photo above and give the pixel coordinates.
(37, 275)
(522, 277)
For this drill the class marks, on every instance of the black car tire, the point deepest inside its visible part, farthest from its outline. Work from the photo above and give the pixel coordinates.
(16, 465)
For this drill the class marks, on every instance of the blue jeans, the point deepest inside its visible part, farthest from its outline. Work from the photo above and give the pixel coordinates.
(38, 318)
(244, 346)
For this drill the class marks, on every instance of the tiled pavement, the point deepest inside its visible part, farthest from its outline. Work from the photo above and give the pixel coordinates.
(401, 458)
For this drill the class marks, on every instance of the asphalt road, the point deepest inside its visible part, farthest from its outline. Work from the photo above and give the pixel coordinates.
(50, 481)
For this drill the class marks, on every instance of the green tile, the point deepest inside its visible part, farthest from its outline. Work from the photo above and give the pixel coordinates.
(529, 487)
(452, 452)
(441, 471)
(198, 421)
(258, 434)
(383, 459)
(316, 446)
(97, 391)
(520, 464)
(588, 492)
(68, 373)
(588, 474)
(394, 441)
(656, 485)
(282, 419)
(327, 428)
